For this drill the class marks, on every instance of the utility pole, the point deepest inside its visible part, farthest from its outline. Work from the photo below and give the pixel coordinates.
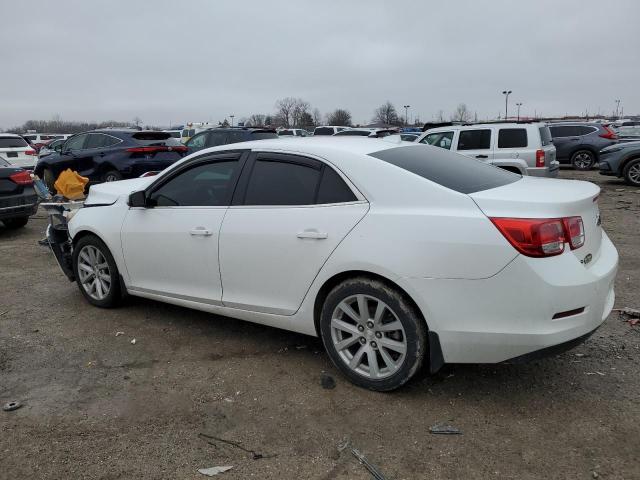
(506, 94)
(519, 104)
(617, 107)
(232, 119)
(406, 115)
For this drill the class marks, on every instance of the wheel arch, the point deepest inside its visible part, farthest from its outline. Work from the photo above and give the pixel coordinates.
(436, 358)
(625, 162)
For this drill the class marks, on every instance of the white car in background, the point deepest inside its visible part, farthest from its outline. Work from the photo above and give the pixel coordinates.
(524, 148)
(16, 150)
(294, 132)
(328, 130)
(397, 255)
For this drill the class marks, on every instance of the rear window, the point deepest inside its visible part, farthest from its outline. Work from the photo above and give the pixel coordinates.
(353, 133)
(323, 131)
(12, 142)
(545, 136)
(263, 135)
(151, 138)
(565, 131)
(175, 134)
(285, 132)
(512, 138)
(451, 170)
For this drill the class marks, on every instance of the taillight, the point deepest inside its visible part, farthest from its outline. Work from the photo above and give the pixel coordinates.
(574, 229)
(163, 148)
(542, 237)
(539, 158)
(610, 134)
(30, 152)
(21, 178)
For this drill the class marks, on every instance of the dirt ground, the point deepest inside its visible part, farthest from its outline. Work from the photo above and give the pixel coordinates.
(97, 406)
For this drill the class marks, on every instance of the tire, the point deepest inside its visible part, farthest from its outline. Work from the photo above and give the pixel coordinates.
(91, 253)
(583, 160)
(631, 172)
(49, 180)
(395, 341)
(17, 222)
(111, 176)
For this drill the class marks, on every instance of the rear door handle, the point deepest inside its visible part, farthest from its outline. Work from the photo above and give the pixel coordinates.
(201, 231)
(482, 156)
(313, 234)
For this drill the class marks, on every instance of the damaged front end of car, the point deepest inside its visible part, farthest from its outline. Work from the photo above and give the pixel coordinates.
(58, 233)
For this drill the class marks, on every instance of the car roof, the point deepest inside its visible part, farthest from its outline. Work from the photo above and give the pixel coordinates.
(10, 135)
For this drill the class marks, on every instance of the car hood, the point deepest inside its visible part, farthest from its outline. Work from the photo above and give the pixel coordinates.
(108, 193)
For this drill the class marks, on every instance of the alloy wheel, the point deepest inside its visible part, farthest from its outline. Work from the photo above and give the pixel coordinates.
(634, 174)
(583, 161)
(94, 273)
(368, 336)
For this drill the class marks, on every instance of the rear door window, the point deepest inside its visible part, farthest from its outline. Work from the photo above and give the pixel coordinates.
(474, 140)
(512, 138)
(586, 130)
(323, 131)
(75, 143)
(283, 180)
(451, 170)
(238, 136)
(333, 188)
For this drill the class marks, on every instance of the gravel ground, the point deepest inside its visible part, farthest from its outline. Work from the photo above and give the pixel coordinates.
(98, 406)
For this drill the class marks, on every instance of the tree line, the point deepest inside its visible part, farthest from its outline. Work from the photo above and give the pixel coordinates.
(290, 112)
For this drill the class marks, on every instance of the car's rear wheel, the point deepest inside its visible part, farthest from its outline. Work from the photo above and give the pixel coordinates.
(49, 180)
(96, 272)
(373, 334)
(15, 222)
(583, 160)
(631, 172)
(111, 176)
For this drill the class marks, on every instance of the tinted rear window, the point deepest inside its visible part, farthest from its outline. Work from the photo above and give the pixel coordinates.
(146, 136)
(12, 142)
(323, 131)
(512, 138)
(451, 170)
(353, 133)
(545, 136)
(474, 139)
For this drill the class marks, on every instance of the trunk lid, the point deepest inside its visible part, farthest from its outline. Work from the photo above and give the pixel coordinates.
(533, 197)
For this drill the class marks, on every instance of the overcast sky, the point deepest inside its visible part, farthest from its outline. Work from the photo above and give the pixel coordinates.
(201, 60)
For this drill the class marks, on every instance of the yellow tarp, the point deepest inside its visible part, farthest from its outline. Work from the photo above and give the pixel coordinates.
(71, 185)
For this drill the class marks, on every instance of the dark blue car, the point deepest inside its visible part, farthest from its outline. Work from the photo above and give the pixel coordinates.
(109, 155)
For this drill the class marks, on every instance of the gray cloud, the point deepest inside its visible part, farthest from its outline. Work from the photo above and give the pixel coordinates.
(203, 60)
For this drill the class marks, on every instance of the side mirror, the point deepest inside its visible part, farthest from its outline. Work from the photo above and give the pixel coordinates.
(138, 199)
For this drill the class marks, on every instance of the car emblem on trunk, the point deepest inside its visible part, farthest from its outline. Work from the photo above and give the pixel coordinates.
(587, 259)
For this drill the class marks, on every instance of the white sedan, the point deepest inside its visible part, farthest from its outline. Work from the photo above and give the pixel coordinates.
(396, 255)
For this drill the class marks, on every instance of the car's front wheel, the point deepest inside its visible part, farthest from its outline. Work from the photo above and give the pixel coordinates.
(373, 334)
(111, 176)
(96, 272)
(583, 160)
(631, 172)
(15, 222)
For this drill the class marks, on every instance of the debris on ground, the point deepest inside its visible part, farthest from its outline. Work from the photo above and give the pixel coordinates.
(11, 406)
(327, 381)
(210, 472)
(3, 313)
(119, 333)
(373, 470)
(439, 429)
(254, 455)
(629, 315)
(133, 342)
(596, 373)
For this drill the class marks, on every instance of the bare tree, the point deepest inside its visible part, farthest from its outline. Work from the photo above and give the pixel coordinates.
(300, 108)
(461, 114)
(285, 108)
(256, 120)
(306, 120)
(317, 117)
(137, 121)
(386, 114)
(339, 116)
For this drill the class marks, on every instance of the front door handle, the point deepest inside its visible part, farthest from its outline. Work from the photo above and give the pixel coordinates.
(482, 156)
(201, 231)
(313, 234)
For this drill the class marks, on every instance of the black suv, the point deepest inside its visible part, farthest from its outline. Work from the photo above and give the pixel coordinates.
(223, 136)
(18, 199)
(579, 144)
(108, 155)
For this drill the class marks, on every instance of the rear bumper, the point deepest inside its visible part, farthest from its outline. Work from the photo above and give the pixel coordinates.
(550, 171)
(511, 314)
(18, 206)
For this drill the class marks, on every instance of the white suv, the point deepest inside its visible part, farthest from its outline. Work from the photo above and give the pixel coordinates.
(524, 148)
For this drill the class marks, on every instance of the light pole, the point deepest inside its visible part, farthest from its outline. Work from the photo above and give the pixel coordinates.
(232, 119)
(406, 115)
(519, 104)
(506, 94)
(617, 107)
